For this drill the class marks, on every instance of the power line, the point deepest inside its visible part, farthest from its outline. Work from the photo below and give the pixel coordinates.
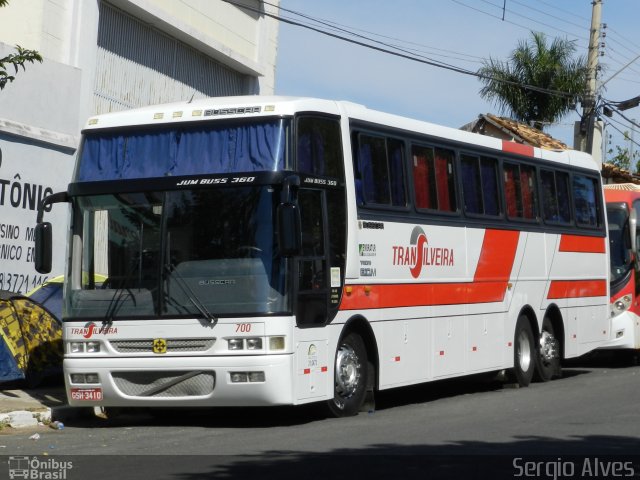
(624, 62)
(548, 14)
(568, 12)
(632, 122)
(334, 28)
(491, 15)
(624, 38)
(400, 54)
(625, 135)
(535, 21)
(633, 52)
(408, 42)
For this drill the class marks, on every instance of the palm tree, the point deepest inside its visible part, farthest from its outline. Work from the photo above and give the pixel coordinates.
(534, 63)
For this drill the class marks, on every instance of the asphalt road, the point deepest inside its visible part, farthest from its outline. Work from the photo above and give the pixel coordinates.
(444, 428)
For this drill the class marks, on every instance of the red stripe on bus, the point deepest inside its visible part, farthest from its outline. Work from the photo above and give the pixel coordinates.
(577, 289)
(497, 255)
(580, 244)
(514, 147)
(489, 283)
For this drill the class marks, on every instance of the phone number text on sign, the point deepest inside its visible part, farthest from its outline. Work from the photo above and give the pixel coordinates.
(20, 283)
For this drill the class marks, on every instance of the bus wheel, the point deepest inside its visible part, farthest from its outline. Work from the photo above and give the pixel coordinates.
(350, 377)
(523, 352)
(548, 364)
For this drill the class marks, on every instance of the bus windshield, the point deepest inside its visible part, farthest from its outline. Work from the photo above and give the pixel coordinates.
(618, 218)
(167, 254)
(169, 151)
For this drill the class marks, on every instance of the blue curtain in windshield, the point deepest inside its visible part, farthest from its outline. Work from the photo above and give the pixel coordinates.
(241, 148)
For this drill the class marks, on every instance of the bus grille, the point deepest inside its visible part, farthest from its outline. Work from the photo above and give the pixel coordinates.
(165, 383)
(173, 345)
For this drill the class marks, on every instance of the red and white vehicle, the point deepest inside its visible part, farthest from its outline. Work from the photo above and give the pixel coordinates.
(623, 206)
(280, 251)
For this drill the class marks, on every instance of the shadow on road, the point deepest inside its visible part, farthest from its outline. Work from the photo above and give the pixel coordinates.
(577, 457)
(268, 417)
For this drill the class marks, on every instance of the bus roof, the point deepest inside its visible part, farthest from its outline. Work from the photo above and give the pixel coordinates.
(216, 108)
(621, 192)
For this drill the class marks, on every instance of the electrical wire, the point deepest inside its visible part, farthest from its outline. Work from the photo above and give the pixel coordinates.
(535, 21)
(567, 12)
(368, 32)
(624, 134)
(402, 54)
(579, 25)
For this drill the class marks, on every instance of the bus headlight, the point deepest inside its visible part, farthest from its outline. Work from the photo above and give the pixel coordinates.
(254, 344)
(276, 343)
(621, 305)
(84, 347)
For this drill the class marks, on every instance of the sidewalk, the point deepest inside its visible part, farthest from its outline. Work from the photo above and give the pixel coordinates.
(21, 407)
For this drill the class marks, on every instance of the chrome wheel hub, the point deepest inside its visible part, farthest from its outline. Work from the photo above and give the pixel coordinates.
(548, 347)
(347, 372)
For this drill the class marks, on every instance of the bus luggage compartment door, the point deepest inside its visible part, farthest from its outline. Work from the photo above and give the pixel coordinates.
(312, 370)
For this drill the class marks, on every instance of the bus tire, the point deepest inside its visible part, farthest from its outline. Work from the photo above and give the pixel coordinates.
(524, 352)
(351, 373)
(548, 354)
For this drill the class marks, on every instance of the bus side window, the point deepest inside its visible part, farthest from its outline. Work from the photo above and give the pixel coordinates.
(585, 202)
(445, 181)
(520, 192)
(423, 173)
(480, 185)
(379, 171)
(319, 148)
(512, 191)
(433, 179)
(555, 196)
(489, 172)
(528, 189)
(471, 187)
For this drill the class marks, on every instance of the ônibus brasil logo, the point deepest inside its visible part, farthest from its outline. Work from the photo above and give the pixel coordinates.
(91, 329)
(419, 253)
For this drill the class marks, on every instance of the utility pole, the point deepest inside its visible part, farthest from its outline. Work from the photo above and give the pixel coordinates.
(632, 166)
(587, 123)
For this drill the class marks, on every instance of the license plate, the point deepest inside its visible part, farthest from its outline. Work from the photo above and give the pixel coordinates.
(91, 394)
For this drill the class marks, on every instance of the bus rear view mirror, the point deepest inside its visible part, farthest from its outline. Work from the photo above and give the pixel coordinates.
(289, 229)
(43, 239)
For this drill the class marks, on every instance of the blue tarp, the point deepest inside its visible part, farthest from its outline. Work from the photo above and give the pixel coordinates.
(30, 340)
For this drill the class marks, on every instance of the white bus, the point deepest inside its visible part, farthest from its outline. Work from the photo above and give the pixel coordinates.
(281, 251)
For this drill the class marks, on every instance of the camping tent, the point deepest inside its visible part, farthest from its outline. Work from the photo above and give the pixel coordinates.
(30, 340)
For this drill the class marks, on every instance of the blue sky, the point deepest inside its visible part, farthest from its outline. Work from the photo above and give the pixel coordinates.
(458, 32)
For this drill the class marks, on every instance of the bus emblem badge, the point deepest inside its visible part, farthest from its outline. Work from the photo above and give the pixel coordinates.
(159, 345)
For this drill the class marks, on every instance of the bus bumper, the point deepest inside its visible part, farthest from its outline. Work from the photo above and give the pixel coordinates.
(625, 332)
(185, 381)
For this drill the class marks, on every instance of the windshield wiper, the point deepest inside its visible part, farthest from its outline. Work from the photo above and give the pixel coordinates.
(193, 298)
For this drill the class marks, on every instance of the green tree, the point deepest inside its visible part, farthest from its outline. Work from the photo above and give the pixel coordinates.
(624, 158)
(538, 64)
(15, 59)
